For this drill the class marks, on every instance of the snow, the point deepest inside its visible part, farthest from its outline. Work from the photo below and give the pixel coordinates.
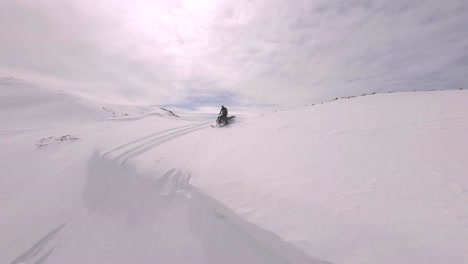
(372, 179)
(24, 104)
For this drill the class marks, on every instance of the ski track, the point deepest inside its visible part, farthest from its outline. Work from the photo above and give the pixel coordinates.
(155, 140)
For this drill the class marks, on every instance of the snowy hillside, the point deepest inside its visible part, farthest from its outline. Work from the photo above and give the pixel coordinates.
(373, 179)
(26, 105)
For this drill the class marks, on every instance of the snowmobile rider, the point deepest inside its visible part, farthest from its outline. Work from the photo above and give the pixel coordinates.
(223, 113)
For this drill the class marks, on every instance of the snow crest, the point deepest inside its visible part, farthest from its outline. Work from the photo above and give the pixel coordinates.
(179, 223)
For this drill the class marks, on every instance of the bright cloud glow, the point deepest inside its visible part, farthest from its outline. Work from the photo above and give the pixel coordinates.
(252, 52)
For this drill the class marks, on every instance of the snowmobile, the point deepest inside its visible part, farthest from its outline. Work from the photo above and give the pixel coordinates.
(223, 120)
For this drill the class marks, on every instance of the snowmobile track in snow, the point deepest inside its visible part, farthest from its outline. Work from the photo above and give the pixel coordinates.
(140, 146)
(43, 245)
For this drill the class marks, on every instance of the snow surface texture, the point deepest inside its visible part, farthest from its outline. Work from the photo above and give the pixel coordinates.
(31, 106)
(375, 179)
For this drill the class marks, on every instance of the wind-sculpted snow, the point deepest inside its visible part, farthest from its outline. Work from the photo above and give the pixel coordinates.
(175, 221)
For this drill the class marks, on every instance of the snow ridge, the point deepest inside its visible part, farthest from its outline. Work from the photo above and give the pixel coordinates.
(212, 232)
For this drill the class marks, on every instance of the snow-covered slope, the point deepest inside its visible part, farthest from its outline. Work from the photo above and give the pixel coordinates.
(26, 105)
(375, 179)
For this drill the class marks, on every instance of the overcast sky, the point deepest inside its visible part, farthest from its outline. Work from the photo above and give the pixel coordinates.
(240, 52)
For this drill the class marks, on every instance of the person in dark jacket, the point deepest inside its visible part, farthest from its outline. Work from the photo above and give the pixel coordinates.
(223, 114)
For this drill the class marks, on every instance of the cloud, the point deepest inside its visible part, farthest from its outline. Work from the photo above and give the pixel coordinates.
(243, 52)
